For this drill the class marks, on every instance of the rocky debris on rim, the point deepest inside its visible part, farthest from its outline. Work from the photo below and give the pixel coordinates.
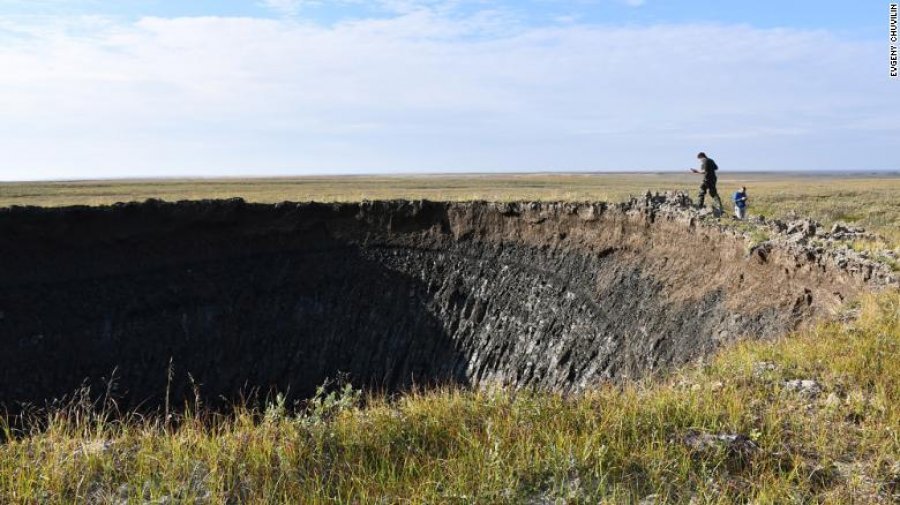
(804, 238)
(651, 499)
(761, 368)
(733, 443)
(805, 387)
(93, 448)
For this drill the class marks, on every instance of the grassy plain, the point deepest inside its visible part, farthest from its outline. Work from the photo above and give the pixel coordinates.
(837, 444)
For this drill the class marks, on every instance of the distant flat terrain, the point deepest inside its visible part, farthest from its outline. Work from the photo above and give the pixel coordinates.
(868, 199)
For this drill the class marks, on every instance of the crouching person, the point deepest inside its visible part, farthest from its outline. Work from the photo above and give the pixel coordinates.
(740, 204)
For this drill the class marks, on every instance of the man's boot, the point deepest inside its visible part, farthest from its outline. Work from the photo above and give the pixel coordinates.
(720, 209)
(700, 197)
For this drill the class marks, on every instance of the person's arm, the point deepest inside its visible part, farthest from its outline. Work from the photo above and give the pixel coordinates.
(702, 168)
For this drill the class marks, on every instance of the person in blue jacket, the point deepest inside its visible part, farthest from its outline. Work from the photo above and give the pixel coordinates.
(740, 203)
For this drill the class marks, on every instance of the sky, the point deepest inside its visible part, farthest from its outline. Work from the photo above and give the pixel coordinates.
(170, 88)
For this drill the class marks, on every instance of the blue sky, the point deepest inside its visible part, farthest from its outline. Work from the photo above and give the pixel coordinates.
(861, 18)
(93, 88)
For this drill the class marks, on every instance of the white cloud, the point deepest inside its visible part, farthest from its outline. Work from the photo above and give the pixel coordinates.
(294, 7)
(423, 91)
(287, 7)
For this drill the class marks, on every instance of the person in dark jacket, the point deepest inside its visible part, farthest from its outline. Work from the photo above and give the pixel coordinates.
(708, 169)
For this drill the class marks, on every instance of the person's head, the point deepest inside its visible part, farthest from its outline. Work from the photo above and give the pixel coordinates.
(743, 189)
(701, 155)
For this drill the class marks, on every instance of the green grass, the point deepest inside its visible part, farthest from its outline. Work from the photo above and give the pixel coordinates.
(608, 445)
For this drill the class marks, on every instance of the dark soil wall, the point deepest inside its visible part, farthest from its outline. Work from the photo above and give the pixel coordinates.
(267, 297)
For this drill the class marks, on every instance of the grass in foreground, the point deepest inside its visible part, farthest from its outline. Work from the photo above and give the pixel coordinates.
(610, 445)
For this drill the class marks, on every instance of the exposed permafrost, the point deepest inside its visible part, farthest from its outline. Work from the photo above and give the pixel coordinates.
(244, 296)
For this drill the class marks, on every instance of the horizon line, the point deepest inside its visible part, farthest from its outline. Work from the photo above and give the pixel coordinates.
(138, 178)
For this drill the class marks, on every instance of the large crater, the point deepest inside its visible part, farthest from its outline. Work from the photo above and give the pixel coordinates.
(241, 297)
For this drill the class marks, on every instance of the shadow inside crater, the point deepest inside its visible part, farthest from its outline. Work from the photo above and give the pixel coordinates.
(234, 324)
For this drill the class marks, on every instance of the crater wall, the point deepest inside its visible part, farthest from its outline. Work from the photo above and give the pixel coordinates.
(237, 297)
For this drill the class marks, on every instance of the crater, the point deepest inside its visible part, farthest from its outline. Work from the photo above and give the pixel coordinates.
(231, 297)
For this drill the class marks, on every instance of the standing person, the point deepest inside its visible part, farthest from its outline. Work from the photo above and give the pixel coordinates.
(740, 203)
(708, 168)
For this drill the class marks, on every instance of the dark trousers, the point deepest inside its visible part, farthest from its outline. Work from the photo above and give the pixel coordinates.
(709, 184)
